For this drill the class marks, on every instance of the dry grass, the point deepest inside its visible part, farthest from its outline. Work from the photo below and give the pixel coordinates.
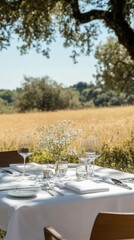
(113, 125)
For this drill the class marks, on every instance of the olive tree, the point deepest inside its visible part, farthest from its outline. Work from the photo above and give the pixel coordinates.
(115, 67)
(36, 23)
(44, 94)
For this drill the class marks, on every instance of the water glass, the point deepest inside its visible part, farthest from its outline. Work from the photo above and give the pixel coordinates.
(81, 172)
(62, 167)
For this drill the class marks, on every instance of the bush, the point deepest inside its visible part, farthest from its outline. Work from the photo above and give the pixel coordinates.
(119, 157)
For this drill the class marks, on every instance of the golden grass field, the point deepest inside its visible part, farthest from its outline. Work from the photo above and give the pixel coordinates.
(114, 125)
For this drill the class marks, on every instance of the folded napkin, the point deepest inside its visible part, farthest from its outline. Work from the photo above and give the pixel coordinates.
(29, 167)
(86, 186)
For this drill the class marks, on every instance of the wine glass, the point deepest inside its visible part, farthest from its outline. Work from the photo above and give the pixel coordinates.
(83, 158)
(25, 149)
(92, 151)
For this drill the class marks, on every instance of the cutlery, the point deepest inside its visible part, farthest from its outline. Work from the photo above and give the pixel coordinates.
(57, 191)
(120, 183)
(6, 170)
(52, 191)
(47, 189)
(130, 180)
(117, 182)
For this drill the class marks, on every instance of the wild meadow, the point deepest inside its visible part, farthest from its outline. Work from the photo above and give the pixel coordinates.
(113, 125)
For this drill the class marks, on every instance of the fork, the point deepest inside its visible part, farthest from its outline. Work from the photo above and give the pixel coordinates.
(50, 190)
(47, 189)
(57, 191)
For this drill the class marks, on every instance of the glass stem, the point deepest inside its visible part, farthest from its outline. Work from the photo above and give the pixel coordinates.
(93, 170)
(24, 171)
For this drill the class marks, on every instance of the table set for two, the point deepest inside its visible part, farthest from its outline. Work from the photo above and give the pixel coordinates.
(27, 206)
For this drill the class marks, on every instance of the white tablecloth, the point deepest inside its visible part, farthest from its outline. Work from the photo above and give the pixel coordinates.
(72, 214)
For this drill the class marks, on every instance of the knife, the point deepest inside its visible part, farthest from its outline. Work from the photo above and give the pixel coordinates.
(6, 170)
(128, 179)
(120, 184)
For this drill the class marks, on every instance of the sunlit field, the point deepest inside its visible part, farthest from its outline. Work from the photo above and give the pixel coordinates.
(113, 125)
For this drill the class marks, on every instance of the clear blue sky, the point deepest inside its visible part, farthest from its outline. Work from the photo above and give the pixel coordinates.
(58, 67)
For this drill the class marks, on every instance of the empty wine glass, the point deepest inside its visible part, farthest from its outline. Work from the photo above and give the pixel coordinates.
(92, 147)
(25, 149)
(83, 158)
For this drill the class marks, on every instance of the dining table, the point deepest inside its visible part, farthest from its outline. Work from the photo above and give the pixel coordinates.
(27, 206)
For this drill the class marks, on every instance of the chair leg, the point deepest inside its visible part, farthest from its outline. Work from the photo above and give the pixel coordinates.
(51, 233)
(47, 234)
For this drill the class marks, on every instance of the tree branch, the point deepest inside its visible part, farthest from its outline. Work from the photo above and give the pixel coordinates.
(12, 5)
(117, 8)
(87, 16)
(114, 19)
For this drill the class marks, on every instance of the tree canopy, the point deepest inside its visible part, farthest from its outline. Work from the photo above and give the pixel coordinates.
(36, 23)
(44, 94)
(114, 67)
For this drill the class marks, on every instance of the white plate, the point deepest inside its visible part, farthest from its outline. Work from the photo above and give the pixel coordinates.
(21, 193)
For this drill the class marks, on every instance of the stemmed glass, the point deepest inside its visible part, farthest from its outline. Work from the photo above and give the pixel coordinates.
(93, 149)
(83, 158)
(25, 149)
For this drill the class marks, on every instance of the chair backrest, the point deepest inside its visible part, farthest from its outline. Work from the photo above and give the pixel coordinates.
(107, 226)
(10, 157)
(113, 226)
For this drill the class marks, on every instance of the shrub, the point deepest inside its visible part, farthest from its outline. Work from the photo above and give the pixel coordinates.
(119, 157)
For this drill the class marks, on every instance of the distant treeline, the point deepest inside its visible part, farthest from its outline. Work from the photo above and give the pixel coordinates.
(44, 94)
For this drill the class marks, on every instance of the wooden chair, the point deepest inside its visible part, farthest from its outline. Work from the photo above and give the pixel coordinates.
(107, 226)
(51, 233)
(10, 157)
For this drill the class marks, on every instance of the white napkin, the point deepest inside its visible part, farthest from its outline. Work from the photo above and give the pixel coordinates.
(86, 186)
(29, 167)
